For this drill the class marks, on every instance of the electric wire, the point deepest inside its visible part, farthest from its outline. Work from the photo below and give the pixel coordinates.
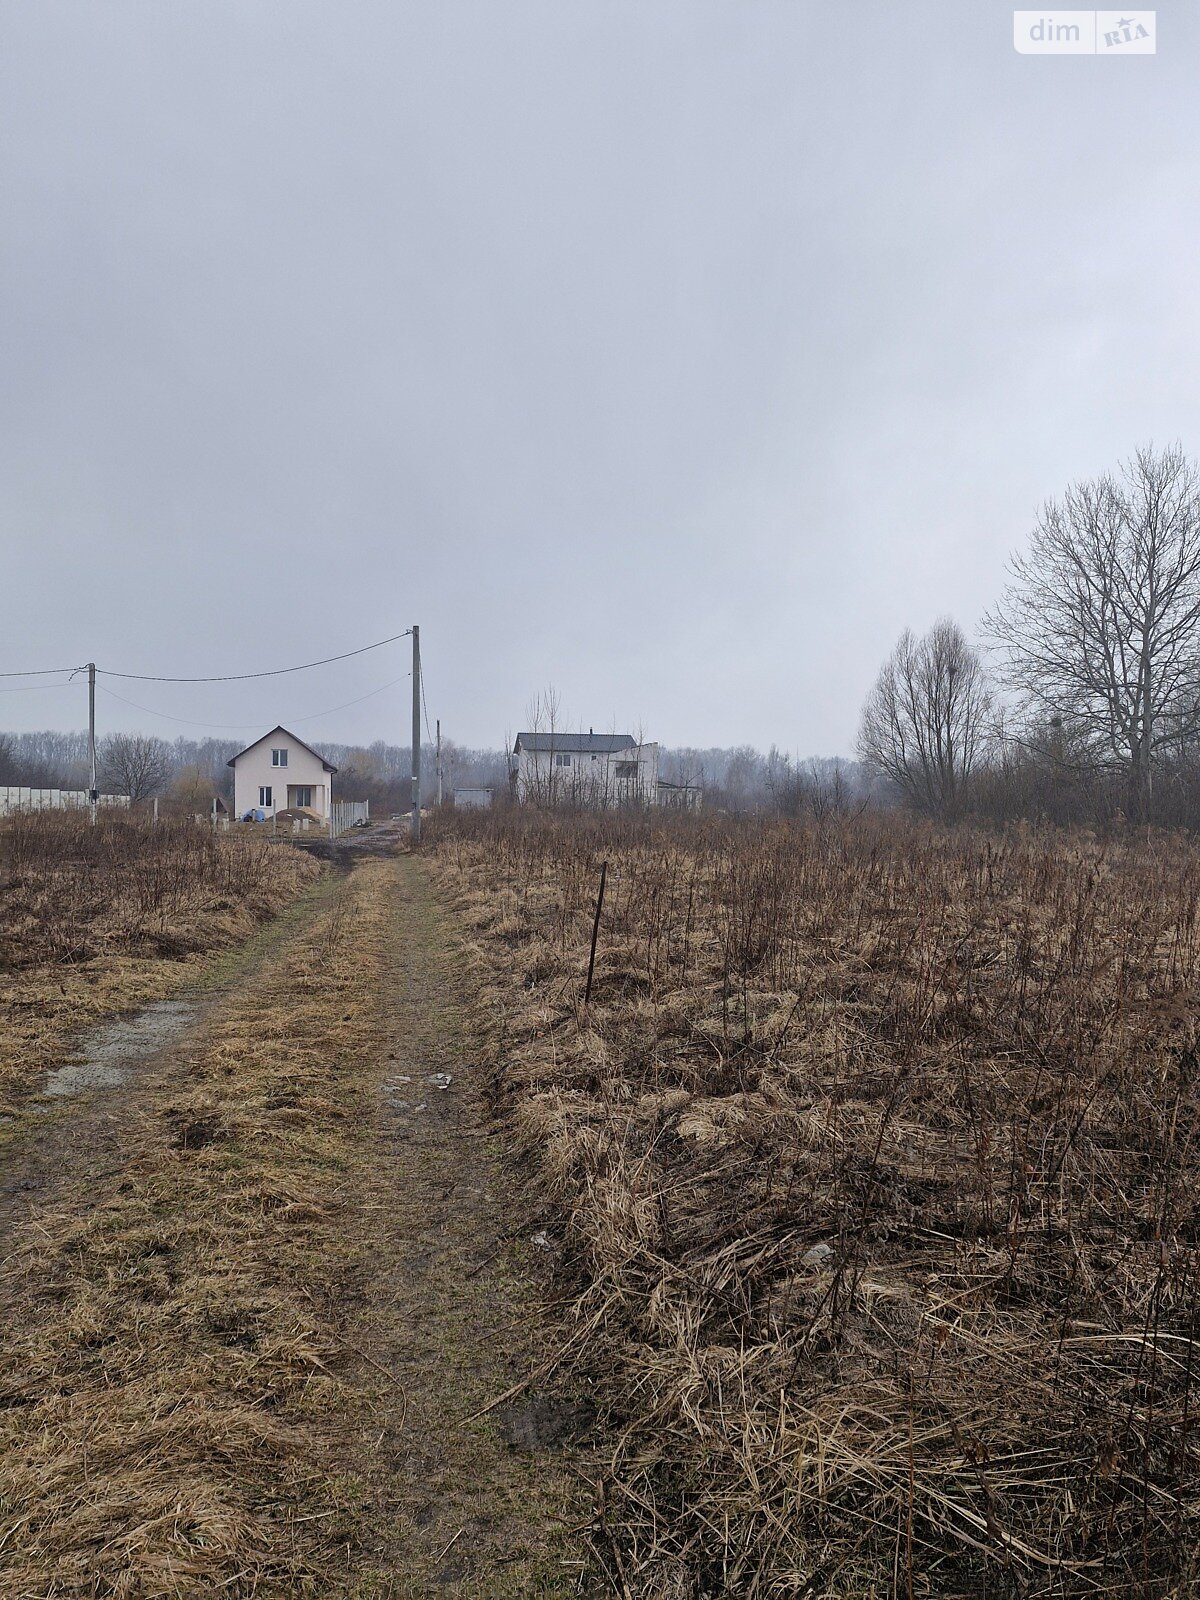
(33, 688)
(229, 677)
(240, 677)
(44, 672)
(241, 727)
(425, 708)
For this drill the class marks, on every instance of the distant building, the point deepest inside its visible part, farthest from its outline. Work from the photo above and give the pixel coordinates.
(281, 773)
(680, 796)
(473, 799)
(585, 769)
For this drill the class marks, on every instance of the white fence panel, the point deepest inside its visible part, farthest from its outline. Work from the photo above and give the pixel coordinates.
(20, 797)
(348, 814)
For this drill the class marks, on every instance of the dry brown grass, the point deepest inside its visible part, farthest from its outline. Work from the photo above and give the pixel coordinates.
(254, 1318)
(163, 1365)
(100, 920)
(875, 1158)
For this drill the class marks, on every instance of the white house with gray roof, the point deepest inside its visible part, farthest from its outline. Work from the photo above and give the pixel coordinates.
(279, 772)
(585, 769)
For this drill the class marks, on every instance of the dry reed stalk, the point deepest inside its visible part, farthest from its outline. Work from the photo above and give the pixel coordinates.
(876, 1160)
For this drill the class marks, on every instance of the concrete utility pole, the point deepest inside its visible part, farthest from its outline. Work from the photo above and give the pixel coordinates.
(439, 761)
(93, 791)
(416, 736)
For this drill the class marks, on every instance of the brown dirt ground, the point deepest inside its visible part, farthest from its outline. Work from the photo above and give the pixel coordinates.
(257, 1297)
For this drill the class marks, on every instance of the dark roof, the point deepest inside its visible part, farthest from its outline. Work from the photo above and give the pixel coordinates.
(595, 744)
(279, 728)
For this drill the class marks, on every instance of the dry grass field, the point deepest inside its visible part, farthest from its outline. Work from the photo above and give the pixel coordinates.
(258, 1297)
(95, 921)
(874, 1161)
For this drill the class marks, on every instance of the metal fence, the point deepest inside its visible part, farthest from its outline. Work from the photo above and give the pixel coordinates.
(18, 797)
(346, 814)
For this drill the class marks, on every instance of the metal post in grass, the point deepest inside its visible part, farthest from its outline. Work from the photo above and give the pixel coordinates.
(587, 993)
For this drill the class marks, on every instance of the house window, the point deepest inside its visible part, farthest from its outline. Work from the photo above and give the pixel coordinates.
(264, 795)
(303, 795)
(627, 770)
(562, 761)
(279, 758)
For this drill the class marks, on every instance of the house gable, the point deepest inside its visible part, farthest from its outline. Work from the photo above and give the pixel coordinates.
(299, 743)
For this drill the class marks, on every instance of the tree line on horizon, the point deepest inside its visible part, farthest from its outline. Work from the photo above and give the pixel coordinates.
(1084, 703)
(189, 772)
(1081, 704)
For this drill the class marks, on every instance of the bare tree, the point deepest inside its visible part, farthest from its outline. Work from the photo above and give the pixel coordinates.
(924, 723)
(9, 766)
(541, 782)
(135, 764)
(1100, 625)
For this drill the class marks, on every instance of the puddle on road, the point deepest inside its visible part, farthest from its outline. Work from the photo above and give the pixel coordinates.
(108, 1055)
(402, 1082)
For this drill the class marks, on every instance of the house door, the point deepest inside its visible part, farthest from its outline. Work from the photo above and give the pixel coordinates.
(300, 794)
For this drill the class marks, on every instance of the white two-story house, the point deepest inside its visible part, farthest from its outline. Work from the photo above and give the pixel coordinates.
(585, 769)
(281, 773)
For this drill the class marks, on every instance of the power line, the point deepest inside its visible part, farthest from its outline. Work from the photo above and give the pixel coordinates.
(46, 672)
(239, 677)
(187, 722)
(33, 688)
(390, 685)
(240, 727)
(425, 708)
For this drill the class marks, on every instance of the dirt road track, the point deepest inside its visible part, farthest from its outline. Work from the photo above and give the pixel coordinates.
(254, 1292)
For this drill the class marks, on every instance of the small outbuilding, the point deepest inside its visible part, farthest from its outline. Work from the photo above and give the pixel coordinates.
(680, 796)
(279, 772)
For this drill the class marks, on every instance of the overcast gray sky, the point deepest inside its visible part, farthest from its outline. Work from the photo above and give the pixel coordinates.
(675, 352)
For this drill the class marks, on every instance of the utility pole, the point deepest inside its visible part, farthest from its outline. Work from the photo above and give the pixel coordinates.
(93, 792)
(416, 737)
(439, 761)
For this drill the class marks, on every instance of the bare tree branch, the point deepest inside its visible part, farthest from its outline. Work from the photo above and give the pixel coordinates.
(924, 723)
(1100, 624)
(135, 764)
